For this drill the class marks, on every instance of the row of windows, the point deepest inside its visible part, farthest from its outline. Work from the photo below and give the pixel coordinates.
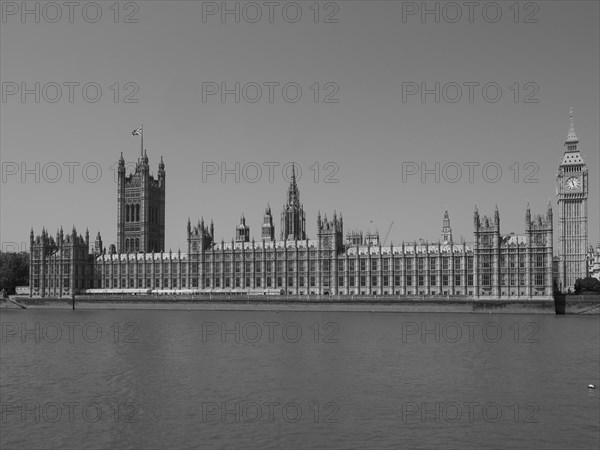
(409, 280)
(312, 265)
(132, 244)
(301, 255)
(271, 282)
(228, 269)
(129, 269)
(53, 283)
(52, 269)
(64, 283)
(278, 282)
(291, 281)
(80, 252)
(132, 213)
(539, 279)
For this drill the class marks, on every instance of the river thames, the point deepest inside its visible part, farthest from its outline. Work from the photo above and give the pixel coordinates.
(100, 379)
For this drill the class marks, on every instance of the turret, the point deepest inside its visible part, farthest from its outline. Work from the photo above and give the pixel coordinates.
(243, 231)
(497, 218)
(330, 233)
(446, 229)
(161, 169)
(143, 166)
(268, 229)
(121, 168)
(354, 237)
(98, 248)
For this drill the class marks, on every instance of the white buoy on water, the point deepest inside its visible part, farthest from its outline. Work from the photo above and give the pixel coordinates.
(591, 386)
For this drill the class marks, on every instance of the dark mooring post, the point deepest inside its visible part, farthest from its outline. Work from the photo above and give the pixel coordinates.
(73, 298)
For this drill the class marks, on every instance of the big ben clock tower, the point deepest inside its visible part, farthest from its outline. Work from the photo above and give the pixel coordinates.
(572, 194)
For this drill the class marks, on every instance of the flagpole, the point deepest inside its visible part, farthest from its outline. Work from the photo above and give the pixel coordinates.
(142, 140)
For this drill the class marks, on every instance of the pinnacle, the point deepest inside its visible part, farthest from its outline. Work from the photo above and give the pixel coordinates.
(572, 137)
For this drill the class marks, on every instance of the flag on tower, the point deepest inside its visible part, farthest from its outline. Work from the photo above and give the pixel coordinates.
(137, 132)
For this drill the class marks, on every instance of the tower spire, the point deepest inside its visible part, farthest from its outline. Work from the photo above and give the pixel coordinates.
(572, 156)
(572, 195)
(571, 137)
(446, 229)
(292, 217)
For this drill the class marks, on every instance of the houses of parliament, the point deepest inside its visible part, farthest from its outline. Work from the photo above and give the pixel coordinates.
(493, 266)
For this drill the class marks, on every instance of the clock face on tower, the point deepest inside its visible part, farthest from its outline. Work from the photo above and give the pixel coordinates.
(572, 183)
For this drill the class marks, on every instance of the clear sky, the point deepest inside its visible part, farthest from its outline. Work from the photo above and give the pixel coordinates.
(370, 57)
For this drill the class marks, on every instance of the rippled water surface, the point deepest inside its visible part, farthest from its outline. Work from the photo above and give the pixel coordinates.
(179, 379)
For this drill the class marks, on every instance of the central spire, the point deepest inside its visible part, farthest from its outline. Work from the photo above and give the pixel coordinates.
(293, 223)
(446, 229)
(571, 137)
(571, 155)
(293, 192)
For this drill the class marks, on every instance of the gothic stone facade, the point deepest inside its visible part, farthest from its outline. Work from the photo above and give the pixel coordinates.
(492, 266)
(62, 266)
(572, 188)
(141, 208)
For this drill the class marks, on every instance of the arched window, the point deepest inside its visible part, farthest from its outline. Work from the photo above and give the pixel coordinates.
(126, 213)
(137, 243)
(137, 212)
(126, 244)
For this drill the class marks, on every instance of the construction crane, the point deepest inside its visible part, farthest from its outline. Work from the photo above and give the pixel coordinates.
(388, 233)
